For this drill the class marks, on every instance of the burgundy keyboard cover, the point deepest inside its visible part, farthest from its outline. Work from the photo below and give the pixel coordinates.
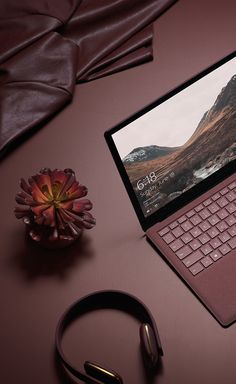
(199, 242)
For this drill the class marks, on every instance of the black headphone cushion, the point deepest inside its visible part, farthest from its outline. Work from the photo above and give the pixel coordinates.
(149, 345)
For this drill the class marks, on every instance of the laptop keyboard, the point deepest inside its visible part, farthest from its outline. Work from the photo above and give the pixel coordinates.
(206, 233)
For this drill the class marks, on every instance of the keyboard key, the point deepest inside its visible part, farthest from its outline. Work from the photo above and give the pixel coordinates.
(222, 214)
(177, 232)
(207, 202)
(187, 226)
(204, 238)
(224, 237)
(168, 238)
(213, 232)
(206, 261)
(205, 214)
(204, 226)
(182, 219)
(224, 249)
(196, 268)
(215, 243)
(177, 244)
(231, 196)
(186, 238)
(230, 220)
(232, 243)
(213, 220)
(222, 226)
(183, 252)
(173, 225)
(199, 207)
(231, 208)
(215, 255)
(195, 232)
(213, 208)
(206, 249)
(195, 244)
(216, 196)
(232, 185)
(195, 220)
(232, 231)
(190, 213)
(224, 191)
(163, 231)
(222, 202)
(193, 258)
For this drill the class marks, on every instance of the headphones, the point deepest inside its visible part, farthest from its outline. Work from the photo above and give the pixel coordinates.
(149, 337)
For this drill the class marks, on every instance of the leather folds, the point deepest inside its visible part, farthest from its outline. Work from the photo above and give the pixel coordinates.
(47, 46)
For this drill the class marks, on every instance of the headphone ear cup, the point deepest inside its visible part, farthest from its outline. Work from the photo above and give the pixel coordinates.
(102, 374)
(149, 346)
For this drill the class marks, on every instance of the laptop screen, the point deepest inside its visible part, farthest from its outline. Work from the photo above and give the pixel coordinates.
(182, 140)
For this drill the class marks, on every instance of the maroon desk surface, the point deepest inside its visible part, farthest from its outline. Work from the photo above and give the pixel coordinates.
(36, 286)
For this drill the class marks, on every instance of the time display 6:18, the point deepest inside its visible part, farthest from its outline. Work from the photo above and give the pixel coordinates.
(148, 179)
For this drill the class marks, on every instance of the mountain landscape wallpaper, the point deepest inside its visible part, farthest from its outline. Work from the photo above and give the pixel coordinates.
(159, 174)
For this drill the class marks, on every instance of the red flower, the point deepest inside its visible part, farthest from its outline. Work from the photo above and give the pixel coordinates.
(49, 205)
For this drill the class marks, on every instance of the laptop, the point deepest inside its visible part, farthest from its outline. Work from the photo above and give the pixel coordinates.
(177, 159)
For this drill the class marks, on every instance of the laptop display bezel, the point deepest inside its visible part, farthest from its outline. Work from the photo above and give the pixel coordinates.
(186, 197)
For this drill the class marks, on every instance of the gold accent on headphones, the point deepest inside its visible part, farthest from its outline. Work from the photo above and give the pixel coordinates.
(102, 373)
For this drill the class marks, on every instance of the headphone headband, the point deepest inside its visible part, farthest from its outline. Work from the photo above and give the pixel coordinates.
(103, 299)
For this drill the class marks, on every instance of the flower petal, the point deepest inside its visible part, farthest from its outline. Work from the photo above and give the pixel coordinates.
(20, 200)
(58, 180)
(82, 205)
(39, 209)
(76, 231)
(66, 205)
(80, 191)
(49, 216)
(36, 192)
(27, 198)
(26, 188)
(89, 220)
(85, 220)
(44, 183)
(66, 216)
(68, 184)
(59, 219)
(21, 212)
